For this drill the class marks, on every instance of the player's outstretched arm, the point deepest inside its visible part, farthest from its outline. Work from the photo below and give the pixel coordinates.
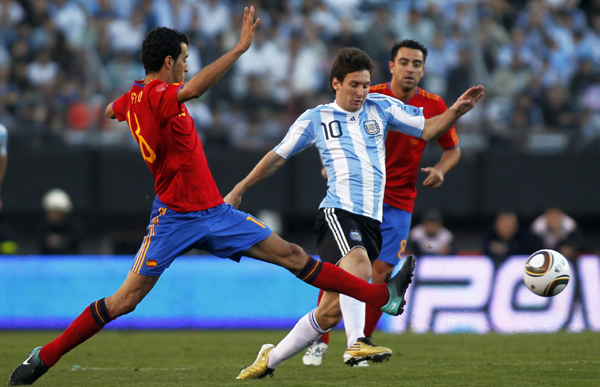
(438, 125)
(436, 173)
(264, 169)
(208, 76)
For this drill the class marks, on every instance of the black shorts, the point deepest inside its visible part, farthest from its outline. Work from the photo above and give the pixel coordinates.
(337, 232)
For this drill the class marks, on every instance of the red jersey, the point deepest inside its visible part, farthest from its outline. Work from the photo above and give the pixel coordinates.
(170, 145)
(403, 152)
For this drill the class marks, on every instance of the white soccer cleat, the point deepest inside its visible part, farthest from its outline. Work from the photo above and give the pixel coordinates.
(362, 363)
(314, 354)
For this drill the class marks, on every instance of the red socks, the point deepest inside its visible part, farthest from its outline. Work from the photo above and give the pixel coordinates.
(371, 319)
(90, 322)
(373, 316)
(326, 276)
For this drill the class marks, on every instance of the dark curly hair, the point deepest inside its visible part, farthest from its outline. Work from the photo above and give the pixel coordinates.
(409, 43)
(160, 43)
(349, 60)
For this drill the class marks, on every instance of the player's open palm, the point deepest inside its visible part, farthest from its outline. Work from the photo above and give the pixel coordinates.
(469, 99)
(248, 27)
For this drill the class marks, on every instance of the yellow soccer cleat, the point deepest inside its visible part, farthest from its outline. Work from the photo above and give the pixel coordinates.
(260, 368)
(363, 349)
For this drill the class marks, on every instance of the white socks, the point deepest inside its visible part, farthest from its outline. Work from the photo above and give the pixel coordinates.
(354, 318)
(306, 331)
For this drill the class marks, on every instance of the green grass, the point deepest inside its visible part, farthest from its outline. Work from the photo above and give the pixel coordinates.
(214, 358)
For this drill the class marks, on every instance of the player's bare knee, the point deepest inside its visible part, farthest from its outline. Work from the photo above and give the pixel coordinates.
(123, 308)
(328, 320)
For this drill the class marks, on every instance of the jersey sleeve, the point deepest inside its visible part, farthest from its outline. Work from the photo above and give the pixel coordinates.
(163, 99)
(449, 139)
(300, 136)
(403, 118)
(120, 107)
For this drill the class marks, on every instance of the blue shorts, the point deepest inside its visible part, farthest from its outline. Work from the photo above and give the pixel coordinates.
(221, 230)
(394, 232)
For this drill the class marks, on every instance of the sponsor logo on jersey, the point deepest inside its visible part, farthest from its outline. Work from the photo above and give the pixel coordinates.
(151, 263)
(372, 127)
(355, 236)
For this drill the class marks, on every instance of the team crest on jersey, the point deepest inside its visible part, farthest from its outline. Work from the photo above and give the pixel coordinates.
(355, 236)
(372, 127)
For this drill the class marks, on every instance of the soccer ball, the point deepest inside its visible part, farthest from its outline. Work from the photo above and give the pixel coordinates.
(546, 273)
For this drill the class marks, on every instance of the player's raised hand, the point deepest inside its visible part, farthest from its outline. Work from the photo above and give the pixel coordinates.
(468, 100)
(248, 27)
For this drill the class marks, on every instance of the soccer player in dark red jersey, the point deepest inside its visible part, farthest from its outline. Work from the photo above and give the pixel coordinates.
(189, 211)
(403, 156)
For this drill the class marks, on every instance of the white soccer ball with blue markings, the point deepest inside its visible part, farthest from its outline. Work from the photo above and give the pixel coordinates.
(546, 273)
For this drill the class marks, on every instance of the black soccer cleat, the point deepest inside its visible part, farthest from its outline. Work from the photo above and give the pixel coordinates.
(397, 287)
(29, 371)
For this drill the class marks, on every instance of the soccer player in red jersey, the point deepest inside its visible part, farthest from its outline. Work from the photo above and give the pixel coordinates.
(403, 156)
(189, 211)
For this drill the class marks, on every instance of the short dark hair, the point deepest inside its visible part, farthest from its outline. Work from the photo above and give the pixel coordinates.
(160, 43)
(349, 60)
(409, 43)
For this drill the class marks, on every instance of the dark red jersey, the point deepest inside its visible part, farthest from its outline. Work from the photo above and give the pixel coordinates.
(170, 145)
(403, 152)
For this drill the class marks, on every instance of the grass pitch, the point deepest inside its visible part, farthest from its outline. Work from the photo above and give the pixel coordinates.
(214, 358)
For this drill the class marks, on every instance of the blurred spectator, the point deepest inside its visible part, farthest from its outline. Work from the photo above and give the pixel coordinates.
(506, 238)
(7, 242)
(177, 14)
(374, 38)
(584, 77)
(127, 35)
(215, 17)
(518, 46)
(61, 233)
(42, 71)
(321, 16)
(431, 237)
(3, 156)
(557, 109)
(458, 78)
(70, 19)
(558, 231)
(415, 26)
(346, 37)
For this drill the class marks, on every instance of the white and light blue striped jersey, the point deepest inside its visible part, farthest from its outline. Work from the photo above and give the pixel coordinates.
(352, 147)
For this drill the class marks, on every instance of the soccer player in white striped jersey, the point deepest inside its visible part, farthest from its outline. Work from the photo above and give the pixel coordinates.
(350, 136)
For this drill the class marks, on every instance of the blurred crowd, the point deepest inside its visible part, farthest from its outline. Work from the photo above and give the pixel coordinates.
(505, 237)
(63, 61)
